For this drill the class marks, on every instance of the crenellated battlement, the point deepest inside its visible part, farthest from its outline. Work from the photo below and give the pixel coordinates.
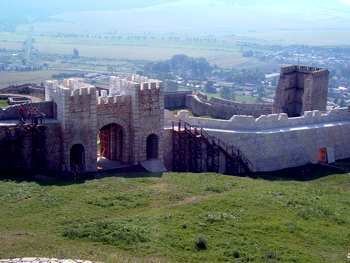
(117, 99)
(125, 85)
(300, 69)
(68, 88)
(271, 121)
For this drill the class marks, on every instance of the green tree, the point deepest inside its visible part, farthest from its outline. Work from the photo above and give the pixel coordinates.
(75, 53)
(227, 94)
(209, 87)
(171, 85)
(261, 93)
(342, 103)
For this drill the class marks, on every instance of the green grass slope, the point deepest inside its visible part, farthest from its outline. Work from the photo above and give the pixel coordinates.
(178, 218)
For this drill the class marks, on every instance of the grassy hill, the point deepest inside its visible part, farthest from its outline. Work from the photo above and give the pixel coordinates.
(179, 217)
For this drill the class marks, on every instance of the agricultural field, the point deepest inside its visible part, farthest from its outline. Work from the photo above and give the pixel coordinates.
(224, 52)
(15, 77)
(296, 215)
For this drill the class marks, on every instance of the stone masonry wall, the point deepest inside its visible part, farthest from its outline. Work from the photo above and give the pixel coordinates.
(83, 113)
(216, 107)
(301, 89)
(116, 110)
(12, 112)
(53, 143)
(225, 109)
(175, 99)
(77, 113)
(275, 141)
(147, 118)
(52, 153)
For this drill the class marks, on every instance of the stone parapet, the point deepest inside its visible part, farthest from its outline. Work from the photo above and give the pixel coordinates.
(271, 121)
(12, 112)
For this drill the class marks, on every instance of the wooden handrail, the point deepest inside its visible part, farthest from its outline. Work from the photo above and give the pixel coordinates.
(228, 150)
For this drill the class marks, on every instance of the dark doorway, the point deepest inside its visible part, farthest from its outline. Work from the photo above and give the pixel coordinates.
(77, 156)
(152, 146)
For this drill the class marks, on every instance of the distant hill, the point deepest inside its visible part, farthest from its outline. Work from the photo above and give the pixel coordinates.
(13, 13)
(173, 15)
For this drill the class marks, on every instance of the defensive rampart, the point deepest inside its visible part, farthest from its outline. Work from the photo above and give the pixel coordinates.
(225, 109)
(12, 112)
(215, 107)
(52, 153)
(275, 141)
(28, 88)
(175, 99)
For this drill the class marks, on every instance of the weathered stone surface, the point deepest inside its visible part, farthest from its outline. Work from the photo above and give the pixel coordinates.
(301, 89)
(128, 115)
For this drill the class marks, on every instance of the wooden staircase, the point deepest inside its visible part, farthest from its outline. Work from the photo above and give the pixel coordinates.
(194, 150)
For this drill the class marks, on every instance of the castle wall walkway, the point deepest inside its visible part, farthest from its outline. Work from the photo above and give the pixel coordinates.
(275, 141)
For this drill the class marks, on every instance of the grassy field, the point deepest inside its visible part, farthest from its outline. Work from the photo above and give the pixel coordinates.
(4, 103)
(179, 217)
(15, 77)
(223, 52)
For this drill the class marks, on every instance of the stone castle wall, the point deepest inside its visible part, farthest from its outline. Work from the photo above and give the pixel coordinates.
(12, 112)
(176, 99)
(275, 141)
(28, 88)
(225, 109)
(52, 153)
(215, 107)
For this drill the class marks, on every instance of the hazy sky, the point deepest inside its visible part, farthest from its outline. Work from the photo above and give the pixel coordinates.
(161, 15)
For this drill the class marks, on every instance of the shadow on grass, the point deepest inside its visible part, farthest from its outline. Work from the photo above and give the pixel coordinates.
(301, 173)
(49, 179)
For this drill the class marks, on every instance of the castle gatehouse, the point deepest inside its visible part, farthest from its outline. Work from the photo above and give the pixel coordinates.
(127, 123)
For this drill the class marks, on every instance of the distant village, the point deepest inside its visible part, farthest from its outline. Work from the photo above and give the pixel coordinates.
(336, 59)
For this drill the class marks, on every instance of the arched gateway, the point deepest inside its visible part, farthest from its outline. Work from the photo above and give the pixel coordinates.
(112, 142)
(77, 156)
(121, 122)
(152, 147)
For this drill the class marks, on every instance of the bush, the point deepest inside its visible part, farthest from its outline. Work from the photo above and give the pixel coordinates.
(235, 253)
(272, 254)
(201, 243)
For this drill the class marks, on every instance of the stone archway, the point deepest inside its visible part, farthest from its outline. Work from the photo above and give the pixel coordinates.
(121, 144)
(112, 142)
(158, 143)
(77, 156)
(152, 147)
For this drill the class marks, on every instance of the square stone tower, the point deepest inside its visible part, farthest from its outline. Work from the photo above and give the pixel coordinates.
(300, 89)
